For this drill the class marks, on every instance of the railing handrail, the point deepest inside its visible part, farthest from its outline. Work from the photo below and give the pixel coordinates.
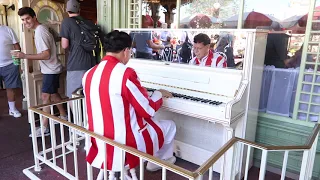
(190, 174)
(214, 158)
(133, 151)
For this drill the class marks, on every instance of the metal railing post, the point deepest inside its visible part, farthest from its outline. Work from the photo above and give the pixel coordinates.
(304, 164)
(284, 165)
(37, 166)
(263, 164)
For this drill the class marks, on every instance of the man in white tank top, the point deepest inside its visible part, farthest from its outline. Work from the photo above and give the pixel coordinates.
(9, 72)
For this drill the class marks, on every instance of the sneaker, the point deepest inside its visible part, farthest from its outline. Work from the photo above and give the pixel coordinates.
(61, 117)
(153, 167)
(15, 113)
(38, 132)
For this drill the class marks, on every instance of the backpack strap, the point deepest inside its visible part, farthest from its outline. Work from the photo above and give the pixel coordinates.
(78, 42)
(78, 18)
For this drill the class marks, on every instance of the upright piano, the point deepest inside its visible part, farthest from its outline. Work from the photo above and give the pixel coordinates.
(210, 105)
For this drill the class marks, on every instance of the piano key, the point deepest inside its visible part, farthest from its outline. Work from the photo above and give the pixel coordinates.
(191, 98)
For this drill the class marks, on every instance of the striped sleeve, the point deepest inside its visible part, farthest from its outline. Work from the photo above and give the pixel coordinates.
(220, 61)
(138, 96)
(192, 61)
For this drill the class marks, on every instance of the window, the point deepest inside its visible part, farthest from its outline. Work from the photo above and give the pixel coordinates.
(209, 14)
(286, 24)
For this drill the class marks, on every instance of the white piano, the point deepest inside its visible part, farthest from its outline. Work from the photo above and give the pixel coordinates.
(210, 105)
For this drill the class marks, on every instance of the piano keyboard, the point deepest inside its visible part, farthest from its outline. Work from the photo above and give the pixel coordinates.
(196, 99)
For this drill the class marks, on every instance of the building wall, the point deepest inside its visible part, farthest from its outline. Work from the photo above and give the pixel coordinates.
(12, 17)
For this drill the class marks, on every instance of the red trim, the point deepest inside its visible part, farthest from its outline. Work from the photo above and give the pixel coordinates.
(132, 160)
(94, 149)
(107, 109)
(158, 131)
(208, 59)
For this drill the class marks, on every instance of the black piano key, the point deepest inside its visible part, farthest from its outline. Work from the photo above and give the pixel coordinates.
(150, 89)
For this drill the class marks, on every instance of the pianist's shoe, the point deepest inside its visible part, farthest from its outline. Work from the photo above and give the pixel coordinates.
(61, 117)
(38, 131)
(153, 167)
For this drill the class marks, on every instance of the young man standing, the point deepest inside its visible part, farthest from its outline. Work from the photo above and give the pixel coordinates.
(9, 72)
(79, 60)
(50, 65)
(204, 56)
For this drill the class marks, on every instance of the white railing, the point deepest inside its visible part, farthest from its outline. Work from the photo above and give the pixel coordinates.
(60, 151)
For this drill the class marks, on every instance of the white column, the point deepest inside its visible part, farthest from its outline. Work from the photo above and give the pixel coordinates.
(104, 18)
(178, 12)
(226, 166)
(240, 18)
(26, 36)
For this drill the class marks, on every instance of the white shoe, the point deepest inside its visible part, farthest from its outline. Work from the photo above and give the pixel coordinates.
(153, 167)
(38, 132)
(61, 117)
(15, 113)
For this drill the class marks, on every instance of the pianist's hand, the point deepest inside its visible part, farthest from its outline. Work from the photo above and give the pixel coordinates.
(165, 93)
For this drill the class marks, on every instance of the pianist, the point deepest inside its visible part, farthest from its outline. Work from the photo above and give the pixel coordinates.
(119, 108)
(203, 55)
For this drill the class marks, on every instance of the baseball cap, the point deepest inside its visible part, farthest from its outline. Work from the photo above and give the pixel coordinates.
(73, 6)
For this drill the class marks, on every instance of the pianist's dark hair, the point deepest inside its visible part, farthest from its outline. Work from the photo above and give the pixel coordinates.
(202, 38)
(116, 41)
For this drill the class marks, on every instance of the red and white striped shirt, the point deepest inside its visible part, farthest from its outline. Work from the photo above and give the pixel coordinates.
(211, 60)
(119, 108)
